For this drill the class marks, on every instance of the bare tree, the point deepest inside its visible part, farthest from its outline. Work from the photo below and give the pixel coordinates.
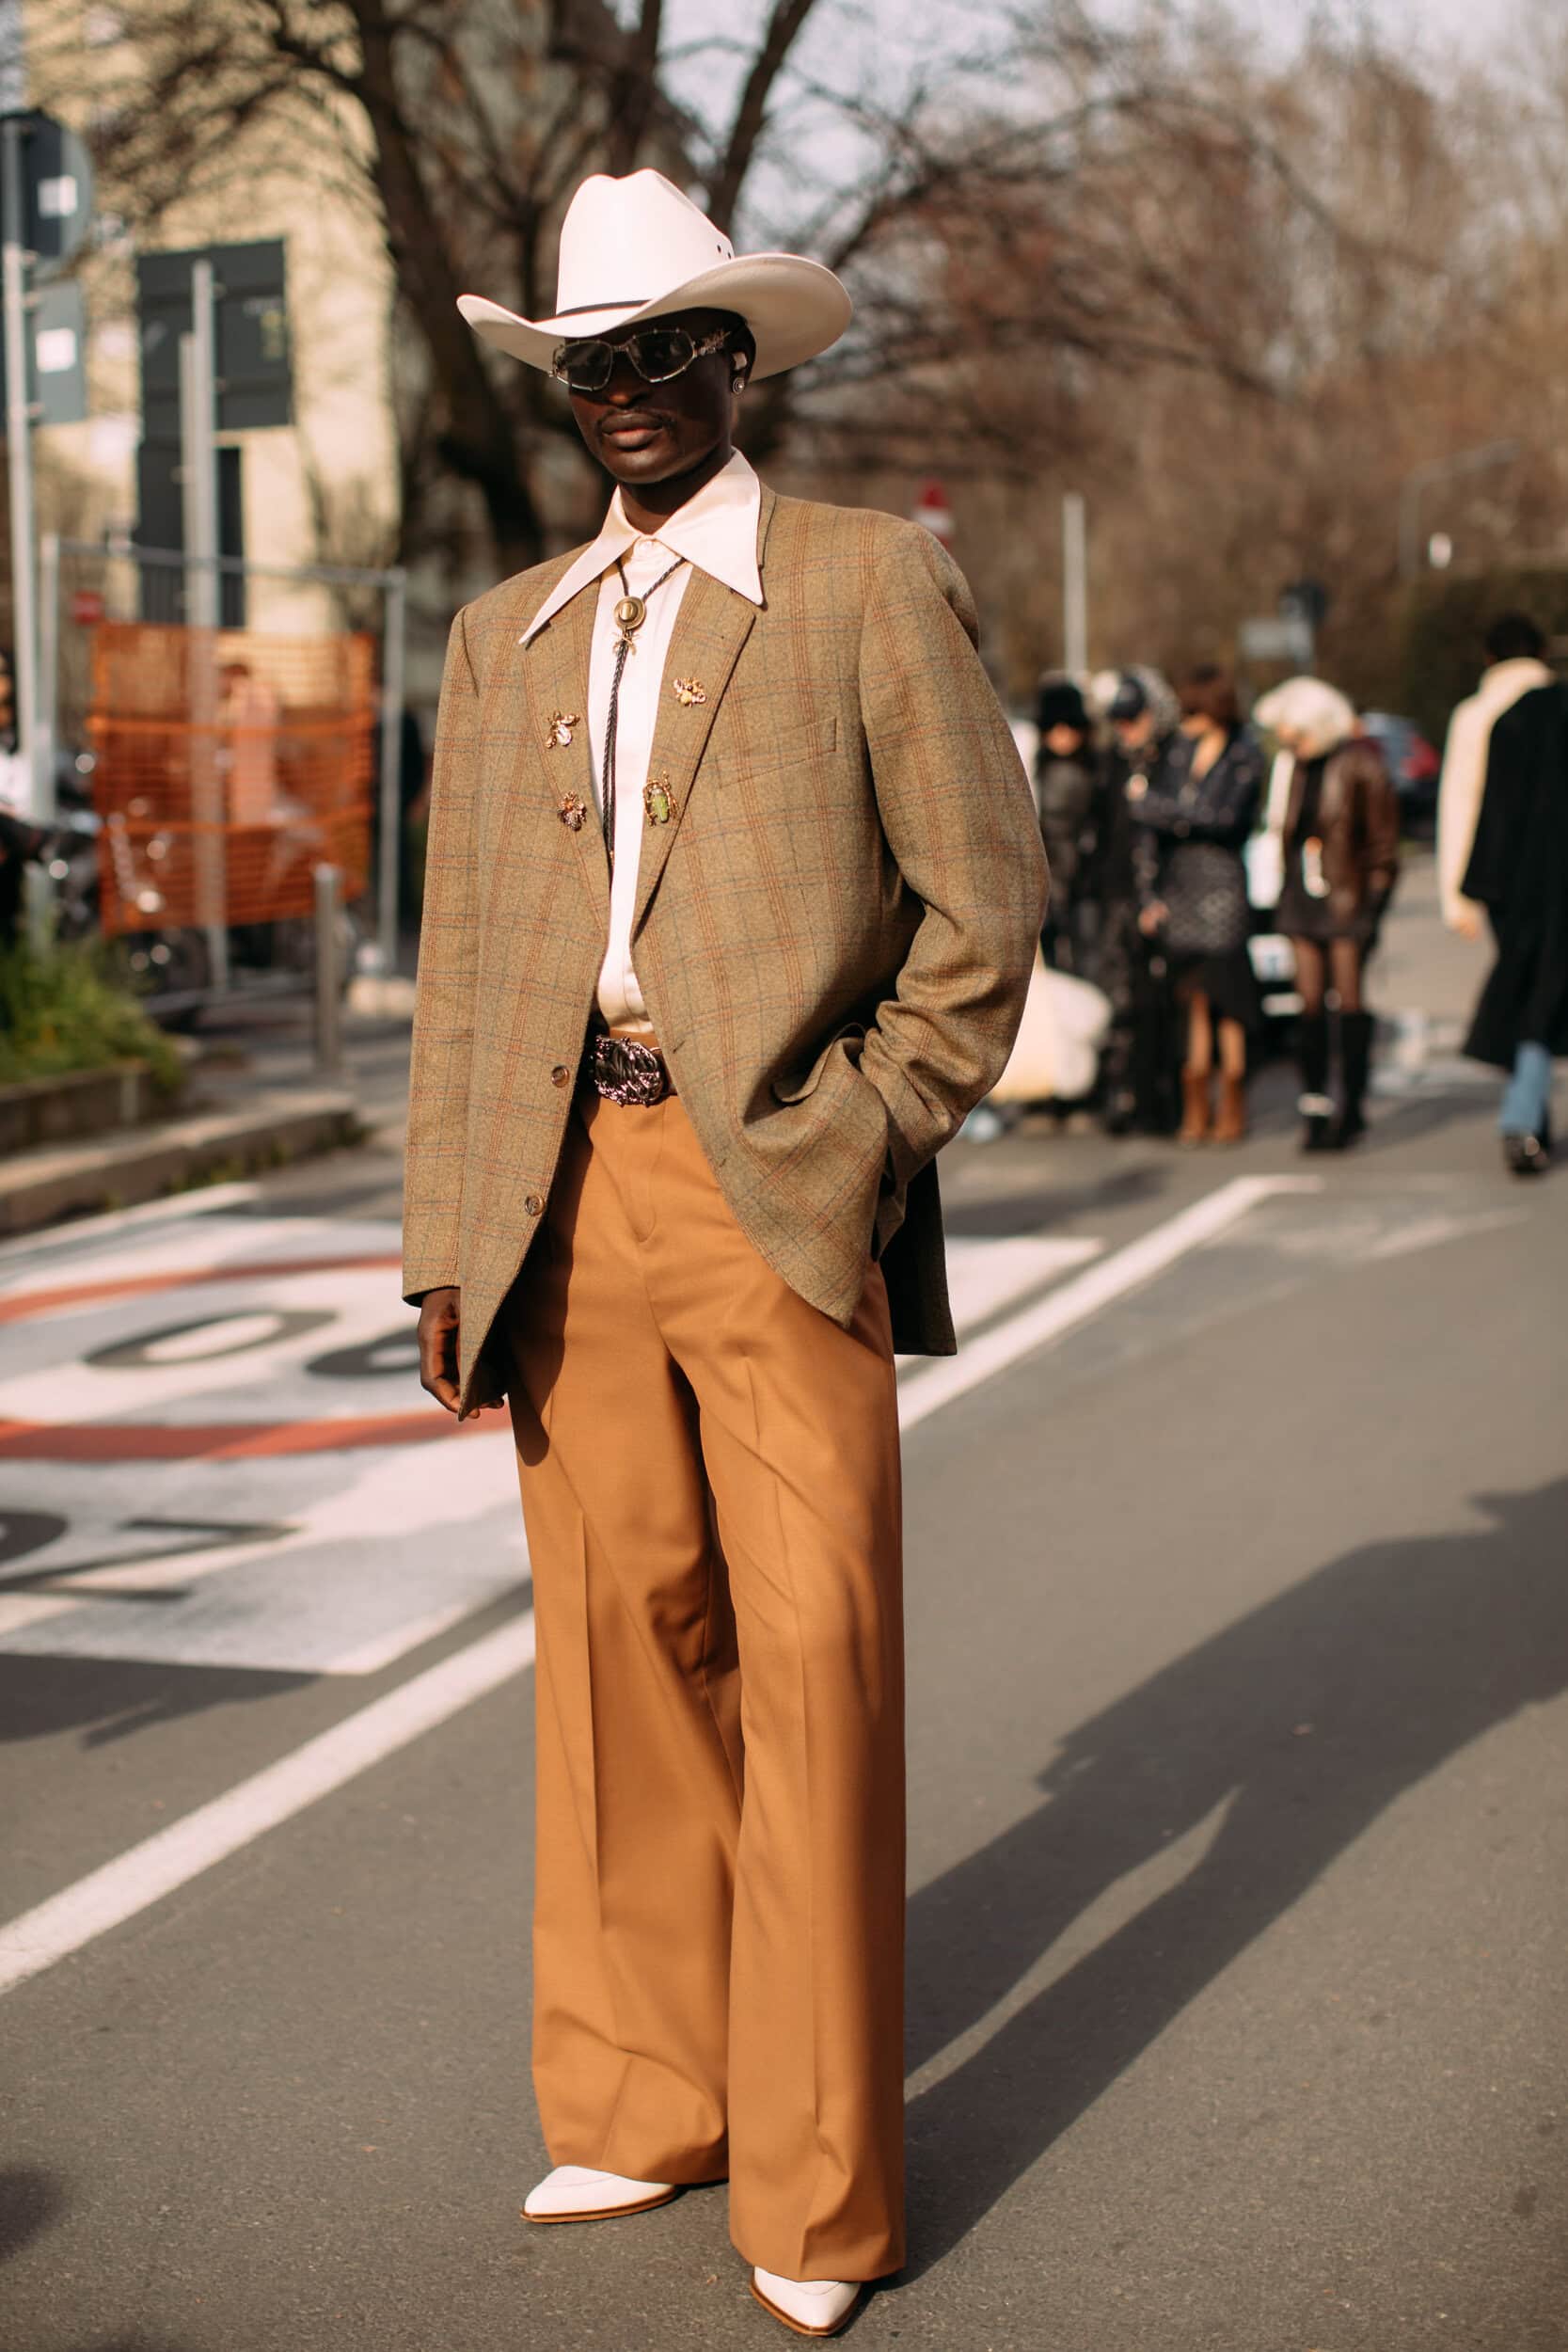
(1018, 213)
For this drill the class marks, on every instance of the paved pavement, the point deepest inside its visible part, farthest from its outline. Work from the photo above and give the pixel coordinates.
(1239, 1645)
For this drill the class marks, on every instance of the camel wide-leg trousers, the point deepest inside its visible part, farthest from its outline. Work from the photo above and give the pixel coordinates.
(710, 1482)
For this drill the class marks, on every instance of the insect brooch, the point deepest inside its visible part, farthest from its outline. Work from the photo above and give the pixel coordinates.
(573, 812)
(558, 734)
(656, 800)
(689, 691)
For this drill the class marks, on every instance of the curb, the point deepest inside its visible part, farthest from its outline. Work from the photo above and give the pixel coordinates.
(129, 1165)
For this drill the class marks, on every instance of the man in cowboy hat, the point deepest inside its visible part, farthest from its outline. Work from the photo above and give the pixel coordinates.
(732, 891)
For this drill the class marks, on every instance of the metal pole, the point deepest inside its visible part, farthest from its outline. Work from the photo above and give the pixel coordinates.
(329, 1022)
(19, 448)
(391, 762)
(1410, 522)
(1464, 461)
(198, 466)
(1075, 585)
(46, 715)
(198, 451)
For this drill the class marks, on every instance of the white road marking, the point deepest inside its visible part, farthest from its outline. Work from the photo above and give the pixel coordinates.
(133, 1881)
(1074, 1302)
(31, 1247)
(985, 1275)
(109, 1896)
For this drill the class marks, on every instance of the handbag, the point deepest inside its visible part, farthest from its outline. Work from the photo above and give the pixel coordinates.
(1204, 889)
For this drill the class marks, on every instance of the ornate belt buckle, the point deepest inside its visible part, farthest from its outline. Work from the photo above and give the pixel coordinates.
(627, 1071)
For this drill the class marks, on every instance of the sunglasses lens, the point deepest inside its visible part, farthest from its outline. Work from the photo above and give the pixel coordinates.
(585, 366)
(661, 353)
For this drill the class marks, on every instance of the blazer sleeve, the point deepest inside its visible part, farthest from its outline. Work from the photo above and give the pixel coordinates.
(444, 992)
(959, 814)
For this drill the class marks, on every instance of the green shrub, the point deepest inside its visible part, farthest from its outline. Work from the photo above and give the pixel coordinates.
(63, 1007)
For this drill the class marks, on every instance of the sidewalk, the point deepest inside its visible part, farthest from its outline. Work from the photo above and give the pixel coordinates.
(257, 1106)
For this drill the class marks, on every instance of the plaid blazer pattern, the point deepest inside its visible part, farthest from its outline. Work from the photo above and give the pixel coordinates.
(833, 930)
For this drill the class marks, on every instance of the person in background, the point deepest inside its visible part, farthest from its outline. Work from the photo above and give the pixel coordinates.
(1138, 1061)
(1064, 780)
(1340, 844)
(1519, 871)
(1196, 813)
(249, 717)
(1513, 649)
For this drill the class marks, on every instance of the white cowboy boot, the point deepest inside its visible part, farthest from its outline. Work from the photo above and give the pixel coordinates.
(812, 2307)
(575, 2192)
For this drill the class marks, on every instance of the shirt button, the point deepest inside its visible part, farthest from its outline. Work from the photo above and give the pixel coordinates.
(559, 1075)
(535, 1206)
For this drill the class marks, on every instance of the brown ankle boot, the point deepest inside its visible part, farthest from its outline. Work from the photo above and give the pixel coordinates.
(1197, 1108)
(1230, 1126)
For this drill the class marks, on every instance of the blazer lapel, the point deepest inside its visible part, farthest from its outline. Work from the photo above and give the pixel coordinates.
(710, 628)
(555, 671)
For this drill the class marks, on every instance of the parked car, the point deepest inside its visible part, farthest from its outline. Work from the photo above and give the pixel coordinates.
(1413, 763)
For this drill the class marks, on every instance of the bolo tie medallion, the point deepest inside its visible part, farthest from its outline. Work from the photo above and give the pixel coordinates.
(558, 733)
(573, 812)
(689, 691)
(656, 800)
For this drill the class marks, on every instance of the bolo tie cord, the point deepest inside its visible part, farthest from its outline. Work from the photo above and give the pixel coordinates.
(628, 626)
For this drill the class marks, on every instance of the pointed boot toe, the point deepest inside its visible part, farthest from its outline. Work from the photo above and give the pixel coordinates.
(812, 2307)
(576, 2192)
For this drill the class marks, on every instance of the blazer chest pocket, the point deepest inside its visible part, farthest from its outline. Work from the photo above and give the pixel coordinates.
(758, 752)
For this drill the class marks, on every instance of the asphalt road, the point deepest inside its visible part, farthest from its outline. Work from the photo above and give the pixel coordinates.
(1239, 1646)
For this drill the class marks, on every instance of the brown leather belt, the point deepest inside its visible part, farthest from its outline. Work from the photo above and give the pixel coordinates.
(626, 1070)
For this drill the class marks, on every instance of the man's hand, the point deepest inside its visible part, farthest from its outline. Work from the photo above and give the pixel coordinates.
(1154, 919)
(1465, 919)
(439, 1330)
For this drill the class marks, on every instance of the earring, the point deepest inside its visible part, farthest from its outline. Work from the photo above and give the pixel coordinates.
(737, 381)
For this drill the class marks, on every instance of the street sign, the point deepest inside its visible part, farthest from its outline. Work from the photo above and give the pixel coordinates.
(55, 334)
(254, 383)
(1276, 637)
(57, 191)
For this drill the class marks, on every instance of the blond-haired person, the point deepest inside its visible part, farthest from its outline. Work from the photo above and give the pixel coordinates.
(1342, 845)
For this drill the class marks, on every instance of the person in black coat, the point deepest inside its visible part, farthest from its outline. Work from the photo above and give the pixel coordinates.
(1196, 816)
(1141, 1056)
(1519, 871)
(1065, 782)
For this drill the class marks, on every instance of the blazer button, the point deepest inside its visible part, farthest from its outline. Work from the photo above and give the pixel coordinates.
(559, 1075)
(535, 1206)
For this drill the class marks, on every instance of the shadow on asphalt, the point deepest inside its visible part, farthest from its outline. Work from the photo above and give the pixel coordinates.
(1045, 1206)
(31, 2201)
(1395, 1657)
(109, 1698)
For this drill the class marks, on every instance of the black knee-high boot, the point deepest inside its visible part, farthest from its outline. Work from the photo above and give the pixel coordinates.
(1314, 1102)
(1355, 1063)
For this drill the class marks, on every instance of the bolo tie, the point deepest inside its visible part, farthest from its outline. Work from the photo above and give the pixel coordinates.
(630, 613)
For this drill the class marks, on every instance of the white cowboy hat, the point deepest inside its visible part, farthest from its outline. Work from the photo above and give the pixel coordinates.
(638, 249)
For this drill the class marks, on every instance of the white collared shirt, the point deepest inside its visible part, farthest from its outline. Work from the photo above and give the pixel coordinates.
(716, 530)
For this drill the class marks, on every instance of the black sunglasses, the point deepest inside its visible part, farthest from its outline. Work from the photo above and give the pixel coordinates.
(657, 354)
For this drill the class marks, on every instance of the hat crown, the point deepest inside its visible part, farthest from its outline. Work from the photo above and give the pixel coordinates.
(624, 243)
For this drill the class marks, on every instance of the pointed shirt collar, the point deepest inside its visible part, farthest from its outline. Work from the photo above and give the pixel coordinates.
(717, 531)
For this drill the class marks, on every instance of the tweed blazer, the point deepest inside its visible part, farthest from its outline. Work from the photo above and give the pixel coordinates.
(833, 930)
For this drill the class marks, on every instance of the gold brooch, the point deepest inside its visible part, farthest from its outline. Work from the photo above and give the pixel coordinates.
(689, 691)
(573, 812)
(558, 734)
(656, 800)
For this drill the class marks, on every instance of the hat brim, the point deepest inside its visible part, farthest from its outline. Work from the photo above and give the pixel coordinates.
(795, 309)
